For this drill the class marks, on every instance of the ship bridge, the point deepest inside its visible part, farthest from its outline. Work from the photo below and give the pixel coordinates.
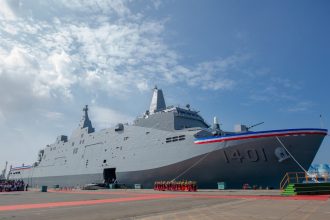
(169, 118)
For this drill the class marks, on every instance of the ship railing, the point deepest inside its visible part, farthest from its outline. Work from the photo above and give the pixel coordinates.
(303, 177)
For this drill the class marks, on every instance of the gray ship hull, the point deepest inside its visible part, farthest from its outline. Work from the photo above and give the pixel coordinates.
(263, 168)
(254, 162)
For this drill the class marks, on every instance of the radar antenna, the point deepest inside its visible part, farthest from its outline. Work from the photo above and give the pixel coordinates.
(85, 109)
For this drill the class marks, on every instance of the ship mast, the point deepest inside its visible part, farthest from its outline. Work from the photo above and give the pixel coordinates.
(157, 102)
(3, 174)
(85, 122)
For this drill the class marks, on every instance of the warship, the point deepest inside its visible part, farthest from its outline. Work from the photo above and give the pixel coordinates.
(171, 143)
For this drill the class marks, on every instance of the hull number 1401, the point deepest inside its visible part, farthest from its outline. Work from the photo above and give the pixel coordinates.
(249, 155)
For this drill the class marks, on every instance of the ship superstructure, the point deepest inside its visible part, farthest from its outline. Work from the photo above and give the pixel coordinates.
(171, 143)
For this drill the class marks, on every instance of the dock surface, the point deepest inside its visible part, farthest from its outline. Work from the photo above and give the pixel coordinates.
(150, 204)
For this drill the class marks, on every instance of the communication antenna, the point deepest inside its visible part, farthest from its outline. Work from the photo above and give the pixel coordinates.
(321, 121)
(255, 125)
(3, 174)
(11, 166)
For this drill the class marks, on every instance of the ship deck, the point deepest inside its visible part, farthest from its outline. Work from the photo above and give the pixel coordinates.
(150, 204)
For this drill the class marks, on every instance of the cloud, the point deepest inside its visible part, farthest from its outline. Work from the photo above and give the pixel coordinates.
(299, 106)
(273, 89)
(143, 86)
(286, 83)
(117, 55)
(156, 3)
(105, 117)
(53, 115)
(58, 50)
(104, 47)
(2, 118)
(217, 74)
(17, 74)
(44, 77)
(6, 11)
(104, 6)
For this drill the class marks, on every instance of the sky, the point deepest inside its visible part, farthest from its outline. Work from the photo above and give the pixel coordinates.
(243, 61)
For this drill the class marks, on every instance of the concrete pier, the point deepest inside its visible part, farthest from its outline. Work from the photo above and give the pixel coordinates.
(150, 204)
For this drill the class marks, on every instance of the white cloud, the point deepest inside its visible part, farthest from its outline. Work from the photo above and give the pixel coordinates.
(156, 3)
(267, 87)
(299, 106)
(112, 55)
(105, 6)
(2, 118)
(105, 117)
(225, 84)
(51, 115)
(274, 90)
(17, 59)
(59, 76)
(143, 86)
(44, 77)
(6, 11)
(286, 83)
(212, 75)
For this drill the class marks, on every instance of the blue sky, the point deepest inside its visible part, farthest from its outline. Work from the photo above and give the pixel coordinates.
(243, 61)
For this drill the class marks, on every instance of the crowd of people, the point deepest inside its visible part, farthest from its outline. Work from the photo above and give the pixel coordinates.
(12, 185)
(183, 185)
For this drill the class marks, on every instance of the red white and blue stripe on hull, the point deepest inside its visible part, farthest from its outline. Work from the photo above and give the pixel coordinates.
(261, 134)
(20, 168)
